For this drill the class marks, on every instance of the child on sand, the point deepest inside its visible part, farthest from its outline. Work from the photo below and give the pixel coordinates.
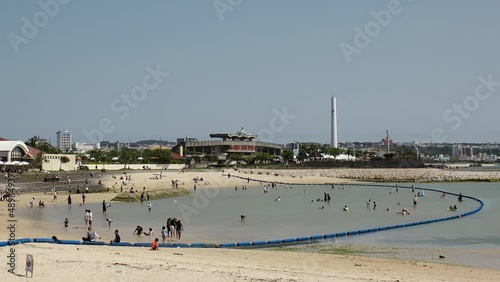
(154, 245)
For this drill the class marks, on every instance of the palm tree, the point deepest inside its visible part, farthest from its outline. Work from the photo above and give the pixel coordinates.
(63, 160)
(335, 152)
(349, 152)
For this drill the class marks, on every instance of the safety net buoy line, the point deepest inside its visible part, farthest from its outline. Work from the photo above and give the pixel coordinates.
(276, 242)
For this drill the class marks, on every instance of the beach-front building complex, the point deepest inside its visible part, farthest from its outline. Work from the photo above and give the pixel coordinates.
(239, 143)
(15, 152)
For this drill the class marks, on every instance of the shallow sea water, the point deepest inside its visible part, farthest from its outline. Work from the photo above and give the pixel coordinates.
(214, 215)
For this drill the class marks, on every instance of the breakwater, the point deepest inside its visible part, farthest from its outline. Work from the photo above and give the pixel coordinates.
(383, 175)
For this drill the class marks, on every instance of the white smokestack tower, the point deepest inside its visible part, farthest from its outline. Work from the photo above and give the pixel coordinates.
(333, 137)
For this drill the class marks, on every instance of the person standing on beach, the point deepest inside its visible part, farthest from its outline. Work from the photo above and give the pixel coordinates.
(147, 196)
(55, 195)
(69, 199)
(83, 198)
(142, 197)
(32, 201)
(66, 223)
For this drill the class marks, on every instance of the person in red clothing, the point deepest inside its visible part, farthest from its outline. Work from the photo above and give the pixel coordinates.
(154, 244)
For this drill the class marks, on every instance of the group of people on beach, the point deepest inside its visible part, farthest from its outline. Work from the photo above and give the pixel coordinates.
(172, 229)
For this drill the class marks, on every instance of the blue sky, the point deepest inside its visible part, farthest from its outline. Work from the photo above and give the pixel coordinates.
(237, 68)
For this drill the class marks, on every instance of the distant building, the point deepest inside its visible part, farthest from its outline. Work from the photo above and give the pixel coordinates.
(462, 153)
(52, 162)
(186, 139)
(238, 143)
(121, 145)
(40, 141)
(84, 147)
(64, 140)
(293, 146)
(16, 151)
(11, 151)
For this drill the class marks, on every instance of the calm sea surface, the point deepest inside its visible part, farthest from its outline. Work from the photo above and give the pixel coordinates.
(215, 216)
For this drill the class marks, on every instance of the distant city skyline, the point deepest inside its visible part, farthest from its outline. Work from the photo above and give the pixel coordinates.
(124, 70)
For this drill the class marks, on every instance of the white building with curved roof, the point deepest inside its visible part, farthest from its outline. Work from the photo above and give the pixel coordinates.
(11, 151)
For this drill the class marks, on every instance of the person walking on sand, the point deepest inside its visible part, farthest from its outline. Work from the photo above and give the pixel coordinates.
(83, 198)
(69, 199)
(32, 201)
(55, 196)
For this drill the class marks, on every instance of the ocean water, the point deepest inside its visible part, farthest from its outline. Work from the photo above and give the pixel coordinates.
(213, 215)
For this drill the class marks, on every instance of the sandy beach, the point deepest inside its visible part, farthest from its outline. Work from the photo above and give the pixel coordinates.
(58, 262)
(63, 262)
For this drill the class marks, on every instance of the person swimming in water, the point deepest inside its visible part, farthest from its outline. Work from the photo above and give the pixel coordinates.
(138, 230)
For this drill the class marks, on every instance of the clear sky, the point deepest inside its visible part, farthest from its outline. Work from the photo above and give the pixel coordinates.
(410, 67)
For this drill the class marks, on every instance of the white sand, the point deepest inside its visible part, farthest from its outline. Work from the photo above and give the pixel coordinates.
(103, 263)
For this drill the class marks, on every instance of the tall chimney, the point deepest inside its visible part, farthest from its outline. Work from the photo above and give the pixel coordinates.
(333, 137)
